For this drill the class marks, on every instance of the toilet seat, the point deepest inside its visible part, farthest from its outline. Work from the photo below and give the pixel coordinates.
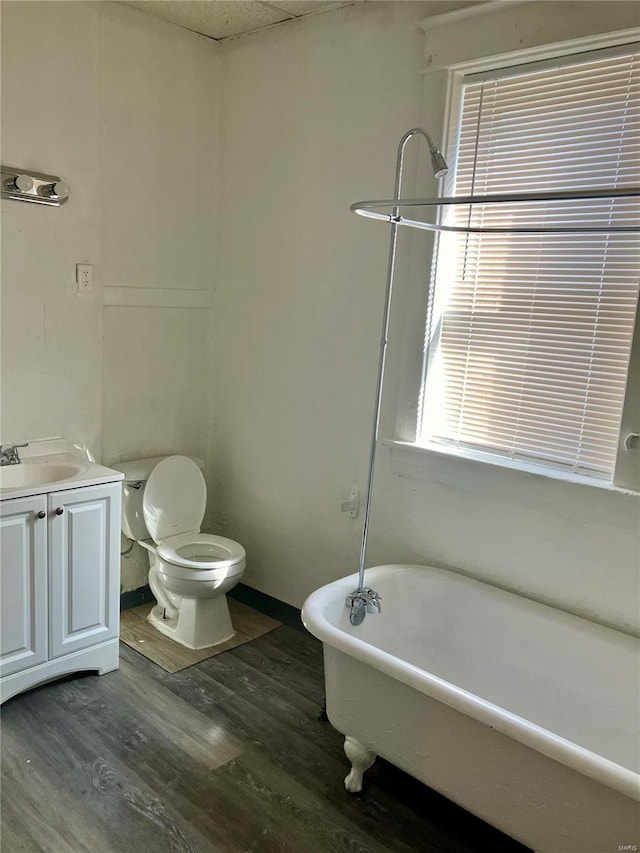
(202, 551)
(173, 505)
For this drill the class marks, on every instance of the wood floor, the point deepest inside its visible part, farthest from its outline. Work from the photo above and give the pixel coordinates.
(228, 755)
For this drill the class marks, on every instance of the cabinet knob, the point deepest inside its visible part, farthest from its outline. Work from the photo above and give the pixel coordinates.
(59, 510)
(41, 514)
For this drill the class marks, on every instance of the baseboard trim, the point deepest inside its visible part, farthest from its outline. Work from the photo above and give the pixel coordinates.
(280, 610)
(135, 597)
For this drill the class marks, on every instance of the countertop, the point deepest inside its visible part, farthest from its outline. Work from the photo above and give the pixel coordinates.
(57, 452)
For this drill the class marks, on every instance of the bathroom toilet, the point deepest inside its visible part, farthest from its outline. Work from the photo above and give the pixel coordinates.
(190, 572)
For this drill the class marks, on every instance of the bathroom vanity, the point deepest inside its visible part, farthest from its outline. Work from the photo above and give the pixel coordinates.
(59, 566)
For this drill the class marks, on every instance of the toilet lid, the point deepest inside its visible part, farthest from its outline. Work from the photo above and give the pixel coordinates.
(174, 498)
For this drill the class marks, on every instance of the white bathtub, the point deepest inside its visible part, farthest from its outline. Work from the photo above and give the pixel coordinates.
(523, 714)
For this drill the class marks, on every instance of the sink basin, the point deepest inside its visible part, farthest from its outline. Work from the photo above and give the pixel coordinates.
(27, 475)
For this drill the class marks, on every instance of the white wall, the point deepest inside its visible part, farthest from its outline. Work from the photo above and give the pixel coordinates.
(125, 107)
(159, 137)
(51, 338)
(312, 114)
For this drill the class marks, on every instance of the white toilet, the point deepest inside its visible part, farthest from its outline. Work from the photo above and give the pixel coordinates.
(163, 506)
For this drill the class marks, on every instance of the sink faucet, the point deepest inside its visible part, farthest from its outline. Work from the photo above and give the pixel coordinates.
(9, 453)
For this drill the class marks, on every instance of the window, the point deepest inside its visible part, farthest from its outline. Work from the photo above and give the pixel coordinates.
(529, 336)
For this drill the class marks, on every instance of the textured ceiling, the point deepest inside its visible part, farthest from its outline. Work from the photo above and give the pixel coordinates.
(221, 19)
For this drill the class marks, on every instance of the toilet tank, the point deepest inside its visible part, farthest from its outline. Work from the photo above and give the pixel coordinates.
(136, 473)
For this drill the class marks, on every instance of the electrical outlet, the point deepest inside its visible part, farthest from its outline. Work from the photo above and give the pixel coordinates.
(84, 278)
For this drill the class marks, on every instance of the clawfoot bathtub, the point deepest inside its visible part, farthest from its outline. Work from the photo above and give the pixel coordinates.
(521, 713)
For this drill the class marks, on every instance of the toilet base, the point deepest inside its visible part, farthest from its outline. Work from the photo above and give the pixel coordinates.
(201, 622)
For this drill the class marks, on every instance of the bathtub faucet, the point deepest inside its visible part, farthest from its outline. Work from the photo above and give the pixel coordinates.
(361, 602)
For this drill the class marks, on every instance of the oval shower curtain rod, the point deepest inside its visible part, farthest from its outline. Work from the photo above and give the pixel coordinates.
(374, 210)
(364, 600)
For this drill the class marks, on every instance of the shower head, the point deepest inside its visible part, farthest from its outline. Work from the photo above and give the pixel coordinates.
(438, 164)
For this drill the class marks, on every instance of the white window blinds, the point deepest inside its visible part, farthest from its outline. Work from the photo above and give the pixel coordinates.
(530, 335)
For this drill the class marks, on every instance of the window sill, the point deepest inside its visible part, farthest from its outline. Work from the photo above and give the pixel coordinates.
(420, 462)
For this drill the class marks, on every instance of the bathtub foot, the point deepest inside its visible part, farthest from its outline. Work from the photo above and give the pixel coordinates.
(361, 759)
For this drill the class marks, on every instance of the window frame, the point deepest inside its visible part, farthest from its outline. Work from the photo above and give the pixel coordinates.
(626, 474)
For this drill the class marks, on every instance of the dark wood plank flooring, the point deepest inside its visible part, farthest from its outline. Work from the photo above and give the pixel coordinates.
(228, 755)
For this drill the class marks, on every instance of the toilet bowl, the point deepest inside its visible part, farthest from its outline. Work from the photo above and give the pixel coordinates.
(189, 572)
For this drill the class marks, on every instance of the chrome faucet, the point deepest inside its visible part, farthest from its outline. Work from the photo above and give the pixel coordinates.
(9, 453)
(361, 602)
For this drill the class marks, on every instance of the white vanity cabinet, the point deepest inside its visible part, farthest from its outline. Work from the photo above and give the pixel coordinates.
(59, 585)
(23, 583)
(84, 568)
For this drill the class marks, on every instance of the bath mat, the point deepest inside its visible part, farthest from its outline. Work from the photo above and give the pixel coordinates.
(140, 635)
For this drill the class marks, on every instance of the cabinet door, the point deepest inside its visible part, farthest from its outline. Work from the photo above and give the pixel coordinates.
(23, 583)
(84, 567)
